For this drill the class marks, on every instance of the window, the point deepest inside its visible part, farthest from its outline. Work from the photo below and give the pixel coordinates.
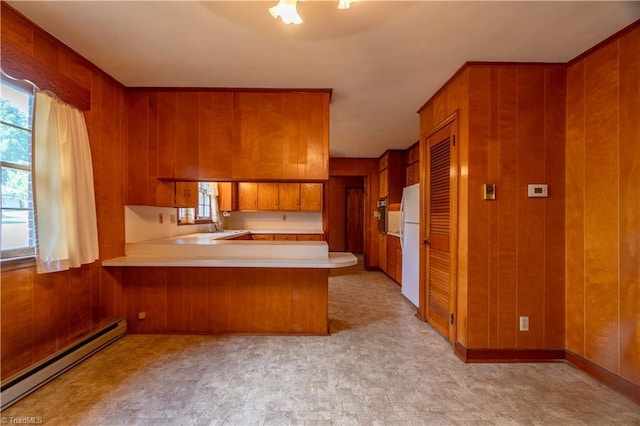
(16, 117)
(207, 210)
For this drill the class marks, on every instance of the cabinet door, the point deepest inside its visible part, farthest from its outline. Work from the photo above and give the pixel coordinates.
(268, 196)
(409, 177)
(391, 256)
(227, 196)
(384, 180)
(186, 194)
(382, 251)
(262, 237)
(399, 265)
(247, 196)
(285, 237)
(289, 196)
(311, 197)
(310, 237)
(416, 172)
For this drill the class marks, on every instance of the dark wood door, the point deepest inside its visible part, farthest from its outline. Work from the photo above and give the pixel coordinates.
(354, 235)
(441, 190)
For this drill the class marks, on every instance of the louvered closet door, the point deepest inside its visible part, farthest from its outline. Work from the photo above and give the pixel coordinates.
(441, 189)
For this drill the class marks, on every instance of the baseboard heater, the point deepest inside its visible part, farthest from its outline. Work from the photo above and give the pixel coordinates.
(27, 381)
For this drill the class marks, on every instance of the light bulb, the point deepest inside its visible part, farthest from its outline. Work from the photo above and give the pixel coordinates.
(286, 10)
(344, 4)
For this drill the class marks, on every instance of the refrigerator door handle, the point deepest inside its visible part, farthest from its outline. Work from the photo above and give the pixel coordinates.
(401, 227)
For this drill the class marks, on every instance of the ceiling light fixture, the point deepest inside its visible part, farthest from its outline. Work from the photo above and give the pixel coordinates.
(286, 10)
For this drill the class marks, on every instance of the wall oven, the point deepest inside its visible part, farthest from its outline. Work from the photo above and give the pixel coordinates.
(382, 215)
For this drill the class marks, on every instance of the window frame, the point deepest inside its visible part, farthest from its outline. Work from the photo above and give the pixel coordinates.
(21, 256)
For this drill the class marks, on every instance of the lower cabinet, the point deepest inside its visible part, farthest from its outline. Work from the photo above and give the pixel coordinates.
(288, 237)
(393, 258)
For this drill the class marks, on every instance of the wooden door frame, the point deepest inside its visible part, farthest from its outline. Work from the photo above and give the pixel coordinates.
(423, 308)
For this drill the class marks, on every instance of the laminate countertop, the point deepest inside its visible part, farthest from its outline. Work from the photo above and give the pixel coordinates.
(217, 250)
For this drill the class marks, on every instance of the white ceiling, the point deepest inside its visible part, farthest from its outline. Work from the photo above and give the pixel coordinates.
(383, 59)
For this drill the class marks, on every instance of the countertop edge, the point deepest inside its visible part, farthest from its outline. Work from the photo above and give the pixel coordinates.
(335, 260)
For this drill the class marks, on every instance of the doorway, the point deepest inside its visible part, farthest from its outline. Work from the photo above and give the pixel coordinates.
(354, 219)
(440, 228)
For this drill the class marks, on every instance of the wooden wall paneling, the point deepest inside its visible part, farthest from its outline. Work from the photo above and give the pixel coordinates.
(199, 282)
(154, 293)
(316, 159)
(96, 304)
(294, 135)
(507, 192)
(82, 299)
(493, 174)
(277, 306)
(531, 211)
(601, 225)
(178, 302)
(137, 139)
(246, 154)
(80, 308)
(554, 148)
(629, 180)
(463, 81)
(17, 321)
(219, 301)
(45, 315)
(478, 233)
(61, 280)
(167, 136)
(206, 153)
(222, 122)
(574, 210)
(271, 136)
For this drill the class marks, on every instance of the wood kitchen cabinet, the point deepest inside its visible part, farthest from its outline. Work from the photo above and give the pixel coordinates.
(394, 258)
(382, 251)
(247, 196)
(311, 197)
(392, 175)
(310, 237)
(186, 194)
(262, 237)
(227, 196)
(223, 135)
(266, 196)
(289, 196)
(281, 135)
(413, 164)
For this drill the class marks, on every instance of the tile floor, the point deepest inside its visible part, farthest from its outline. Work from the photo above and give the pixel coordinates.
(381, 365)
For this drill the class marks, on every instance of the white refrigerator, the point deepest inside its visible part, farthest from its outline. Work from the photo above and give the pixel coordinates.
(410, 241)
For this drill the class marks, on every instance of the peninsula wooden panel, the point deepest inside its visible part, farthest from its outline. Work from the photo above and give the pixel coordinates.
(603, 203)
(71, 303)
(227, 300)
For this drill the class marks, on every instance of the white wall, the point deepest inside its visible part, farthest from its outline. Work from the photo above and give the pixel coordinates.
(267, 221)
(143, 223)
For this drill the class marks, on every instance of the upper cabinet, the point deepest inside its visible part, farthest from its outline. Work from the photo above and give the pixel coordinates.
(392, 175)
(263, 196)
(214, 135)
(281, 135)
(412, 157)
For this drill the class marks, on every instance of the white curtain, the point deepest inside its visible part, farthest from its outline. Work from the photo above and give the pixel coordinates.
(212, 189)
(66, 224)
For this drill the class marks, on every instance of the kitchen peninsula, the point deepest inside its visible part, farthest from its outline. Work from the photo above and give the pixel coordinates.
(211, 284)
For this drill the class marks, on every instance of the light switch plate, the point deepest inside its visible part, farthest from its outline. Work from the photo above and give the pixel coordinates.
(538, 190)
